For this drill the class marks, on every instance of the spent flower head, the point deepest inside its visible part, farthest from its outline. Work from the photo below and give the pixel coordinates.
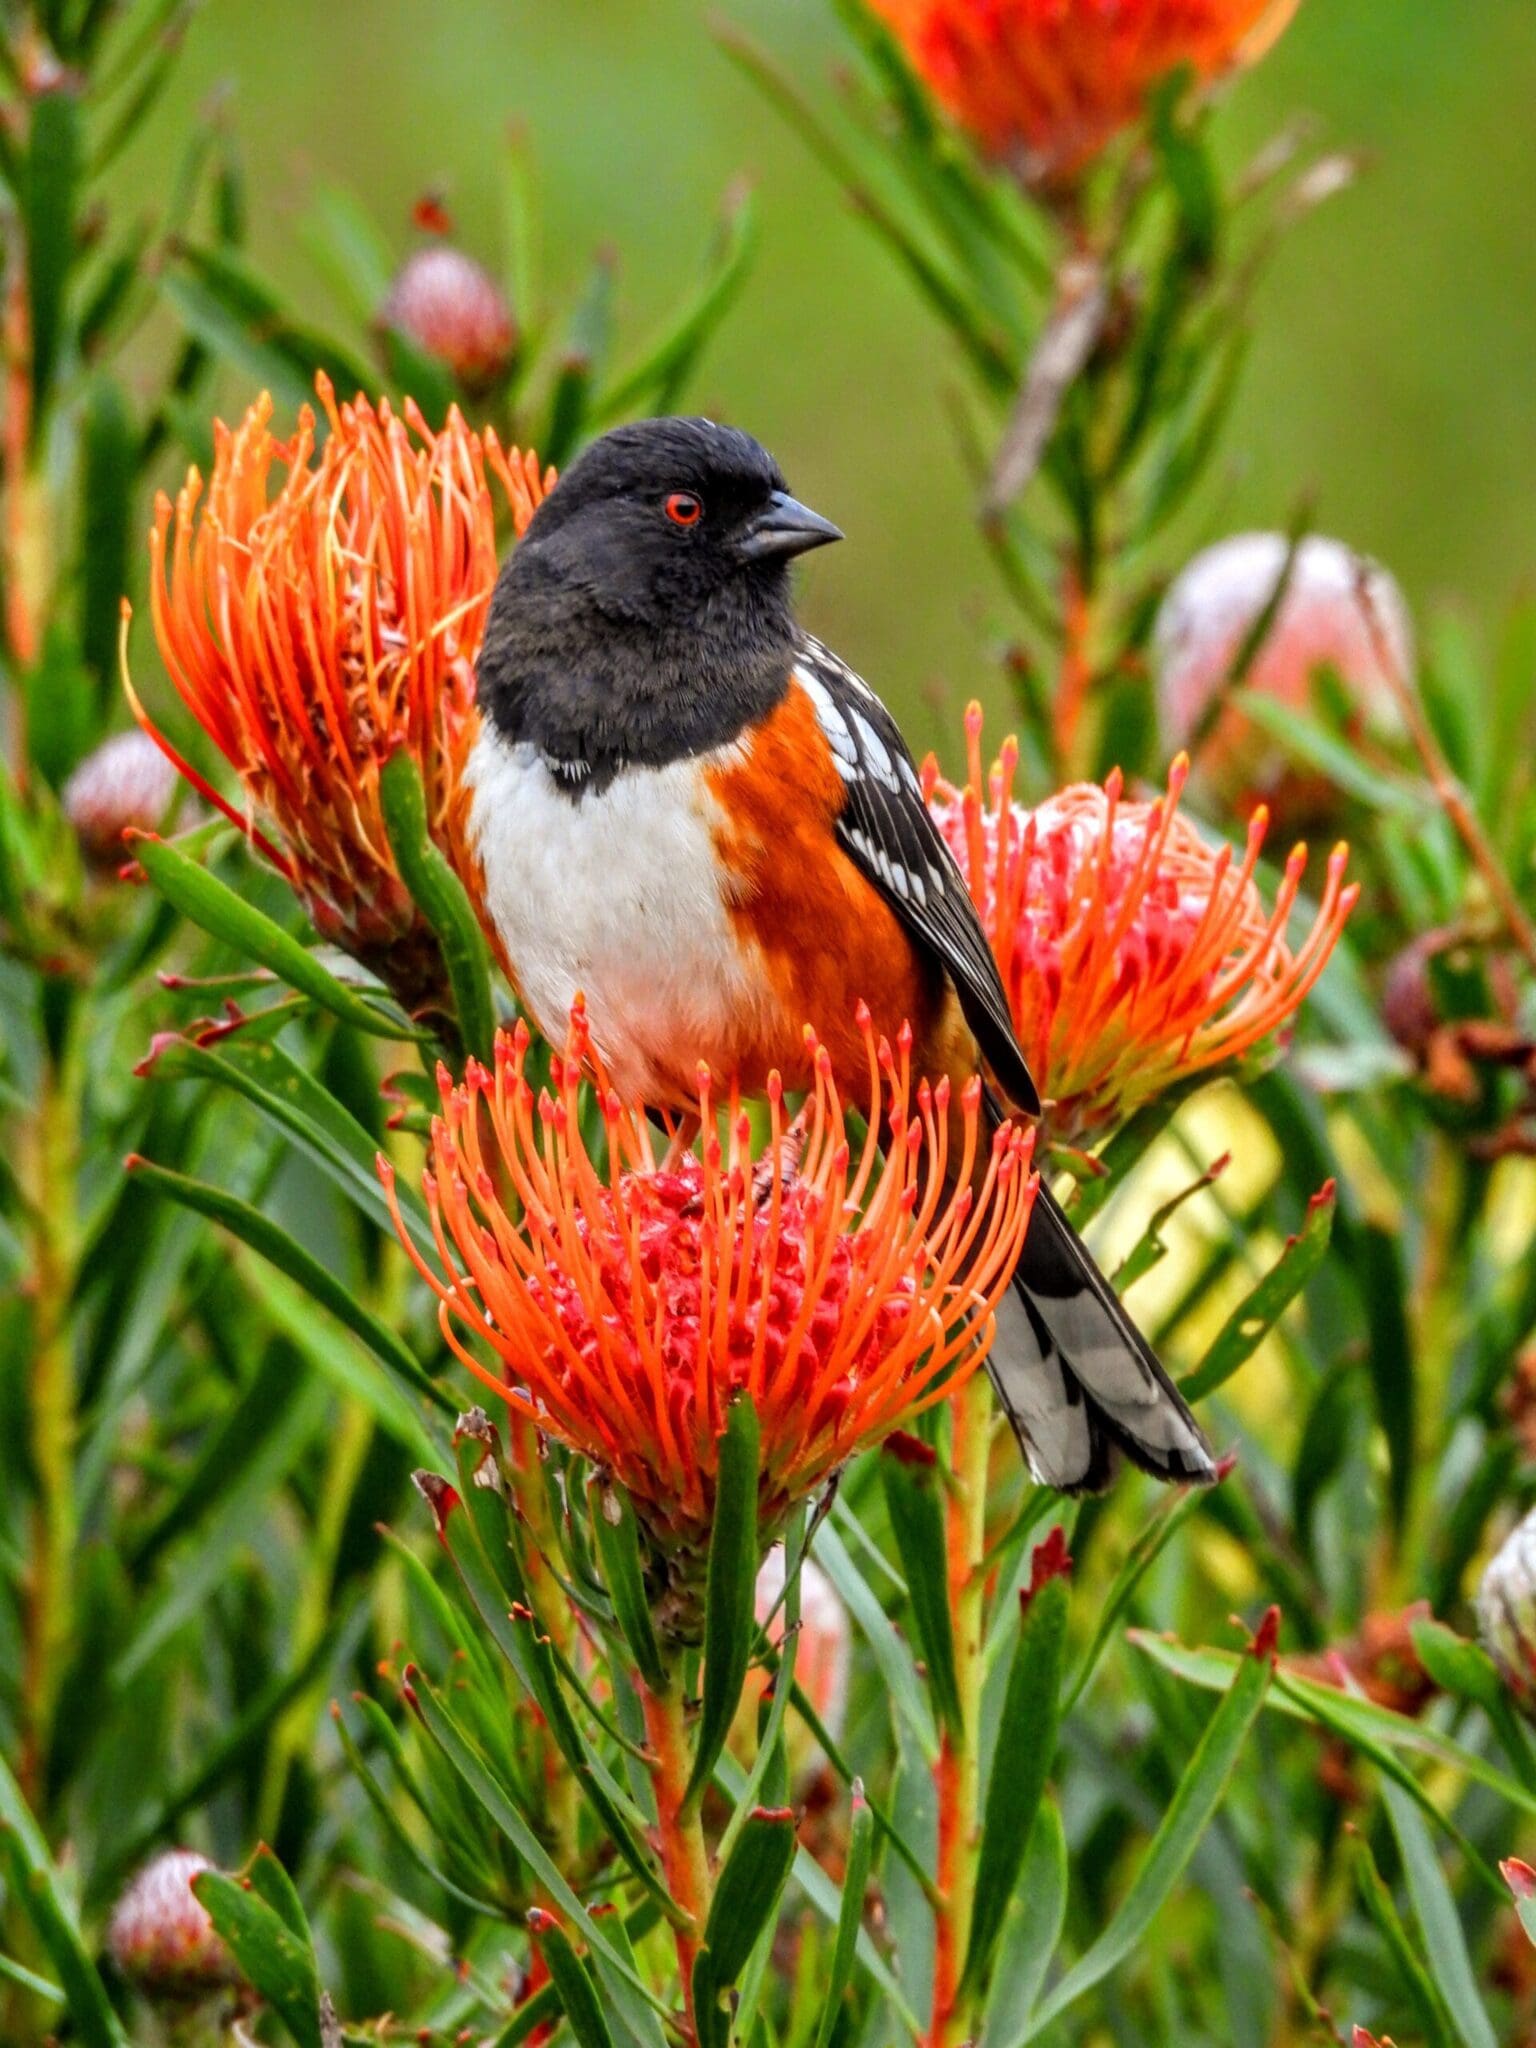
(626, 1298)
(319, 606)
(1135, 954)
(1046, 84)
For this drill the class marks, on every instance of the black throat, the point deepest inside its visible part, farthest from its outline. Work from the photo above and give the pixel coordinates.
(599, 679)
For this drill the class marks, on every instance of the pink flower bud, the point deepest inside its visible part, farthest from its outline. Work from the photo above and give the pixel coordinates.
(449, 306)
(125, 783)
(160, 1937)
(1339, 612)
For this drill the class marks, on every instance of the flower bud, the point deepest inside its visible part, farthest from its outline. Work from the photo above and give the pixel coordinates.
(449, 307)
(1506, 1609)
(1339, 611)
(125, 783)
(160, 1937)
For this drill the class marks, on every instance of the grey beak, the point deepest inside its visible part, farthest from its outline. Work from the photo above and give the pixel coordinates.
(785, 527)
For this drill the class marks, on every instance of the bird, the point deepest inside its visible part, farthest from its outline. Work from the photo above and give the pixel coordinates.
(691, 815)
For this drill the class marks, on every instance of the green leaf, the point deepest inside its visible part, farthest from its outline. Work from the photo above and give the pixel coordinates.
(572, 1981)
(1379, 1904)
(746, 1899)
(1379, 1270)
(730, 1590)
(296, 1102)
(500, 1597)
(1253, 1319)
(216, 909)
(1375, 1730)
(1444, 1942)
(617, 1536)
(1194, 1803)
(318, 1282)
(1031, 1930)
(49, 199)
(275, 1954)
(1021, 1764)
(1168, 1518)
(639, 2002)
(441, 898)
(1302, 737)
(1461, 1668)
(108, 486)
(893, 1659)
(227, 337)
(344, 241)
(61, 705)
(912, 1497)
(850, 1917)
(33, 1883)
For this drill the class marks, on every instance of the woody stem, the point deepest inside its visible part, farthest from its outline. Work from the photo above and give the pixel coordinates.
(957, 1774)
(679, 1831)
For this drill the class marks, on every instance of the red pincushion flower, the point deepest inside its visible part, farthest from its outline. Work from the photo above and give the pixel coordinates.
(1134, 953)
(1047, 83)
(314, 627)
(627, 1308)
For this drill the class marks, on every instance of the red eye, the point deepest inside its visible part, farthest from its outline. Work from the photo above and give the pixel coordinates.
(684, 509)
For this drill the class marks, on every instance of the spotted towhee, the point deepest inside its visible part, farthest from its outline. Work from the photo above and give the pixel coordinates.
(694, 814)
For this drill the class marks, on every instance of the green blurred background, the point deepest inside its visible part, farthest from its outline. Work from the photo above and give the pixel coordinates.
(1393, 377)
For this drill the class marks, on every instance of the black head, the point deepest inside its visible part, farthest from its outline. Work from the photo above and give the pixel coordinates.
(646, 613)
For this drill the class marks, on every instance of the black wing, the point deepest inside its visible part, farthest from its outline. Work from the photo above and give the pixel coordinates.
(886, 828)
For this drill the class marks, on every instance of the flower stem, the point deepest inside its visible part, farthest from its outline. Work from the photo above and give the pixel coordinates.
(526, 1469)
(1076, 671)
(46, 1172)
(957, 1774)
(679, 1831)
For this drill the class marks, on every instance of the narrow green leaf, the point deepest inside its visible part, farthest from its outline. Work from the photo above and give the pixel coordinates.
(730, 1588)
(1032, 1929)
(1021, 1764)
(1444, 1941)
(34, 1885)
(1461, 1668)
(850, 1918)
(61, 705)
(617, 1537)
(270, 1078)
(1189, 1813)
(514, 1627)
(440, 897)
(1404, 1951)
(747, 1890)
(913, 1500)
(1252, 1320)
(268, 1878)
(640, 2002)
(257, 1230)
(660, 375)
(276, 1958)
(572, 1981)
(50, 198)
(827, 1900)
(1309, 742)
(108, 497)
(401, 1835)
(215, 908)
(1168, 1518)
(891, 1655)
(1359, 1721)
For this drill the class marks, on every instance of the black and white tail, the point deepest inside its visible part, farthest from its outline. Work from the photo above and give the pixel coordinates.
(1079, 1382)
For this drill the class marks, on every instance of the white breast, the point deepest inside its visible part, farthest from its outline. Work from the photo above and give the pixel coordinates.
(614, 895)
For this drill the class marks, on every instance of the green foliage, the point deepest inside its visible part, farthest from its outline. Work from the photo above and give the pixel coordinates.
(219, 1369)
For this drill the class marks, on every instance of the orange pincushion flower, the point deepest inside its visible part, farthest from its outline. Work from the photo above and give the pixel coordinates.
(626, 1308)
(315, 623)
(1135, 955)
(1047, 83)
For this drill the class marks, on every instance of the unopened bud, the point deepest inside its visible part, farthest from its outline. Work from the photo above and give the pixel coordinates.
(1506, 1609)
(1338, 612)
(161, 1938)
(124, 784)
(449, 307)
